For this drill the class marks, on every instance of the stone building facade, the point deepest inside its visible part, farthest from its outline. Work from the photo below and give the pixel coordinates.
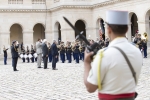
(28, 20)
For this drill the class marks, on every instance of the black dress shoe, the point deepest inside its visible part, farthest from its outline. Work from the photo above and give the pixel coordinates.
(39, 67)
(46, 68)
(16, 70)
(55, 69)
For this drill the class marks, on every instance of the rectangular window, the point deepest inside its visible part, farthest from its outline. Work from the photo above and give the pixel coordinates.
(56, 1)
(38, 1)
(15, 1)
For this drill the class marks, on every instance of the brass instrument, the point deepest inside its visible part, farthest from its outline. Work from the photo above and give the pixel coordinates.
(80, 48)
(145, 36)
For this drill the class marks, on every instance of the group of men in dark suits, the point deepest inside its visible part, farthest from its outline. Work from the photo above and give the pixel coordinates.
(41, 49)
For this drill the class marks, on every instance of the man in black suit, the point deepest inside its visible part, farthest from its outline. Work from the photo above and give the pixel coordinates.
(14, 52)
(54, 54)
(45, 53)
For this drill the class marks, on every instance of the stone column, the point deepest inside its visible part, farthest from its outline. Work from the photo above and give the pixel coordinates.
(28, 38)
(5, 40)
(106, 33)
(128, 34)
(91, 33)
(67, 34)
(49, 36)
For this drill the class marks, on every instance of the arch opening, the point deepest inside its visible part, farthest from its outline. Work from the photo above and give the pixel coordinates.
(16, 33)
(147, 19)
(38, 32)
(80, 25)
(134, 24)
(57, 35)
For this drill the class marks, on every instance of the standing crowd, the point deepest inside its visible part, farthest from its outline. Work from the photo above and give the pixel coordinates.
(47, 52)
(141, 43)
(66, 52)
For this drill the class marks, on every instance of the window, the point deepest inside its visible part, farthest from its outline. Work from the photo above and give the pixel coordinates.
(38, 1)
(15, 1)
(56, 1)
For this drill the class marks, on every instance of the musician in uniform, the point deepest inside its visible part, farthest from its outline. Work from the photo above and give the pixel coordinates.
(5, 55)
(27, 53)
(110, 71)
(58, 48)
(73, 48)
(66, 49)
(14, 52)
(69, 51)
(82, 51)
(62, 52)
(23, 52)
(144, 45)
(35, 53)
(76, 51)
(49, 52)
(32, 53)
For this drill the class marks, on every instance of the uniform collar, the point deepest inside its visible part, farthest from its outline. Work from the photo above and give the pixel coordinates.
(117, 40)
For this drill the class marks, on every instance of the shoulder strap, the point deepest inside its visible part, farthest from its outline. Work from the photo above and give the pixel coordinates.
(127, 60)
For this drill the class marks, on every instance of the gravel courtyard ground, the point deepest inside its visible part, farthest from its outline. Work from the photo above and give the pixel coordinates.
(66, 83)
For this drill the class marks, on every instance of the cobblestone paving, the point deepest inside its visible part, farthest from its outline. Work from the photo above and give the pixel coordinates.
(66, 83)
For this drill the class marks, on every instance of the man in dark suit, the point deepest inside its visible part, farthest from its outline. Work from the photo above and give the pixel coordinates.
(45, 53)
(54, 54)
(14, 52)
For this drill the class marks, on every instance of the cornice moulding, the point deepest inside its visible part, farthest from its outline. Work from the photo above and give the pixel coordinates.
(92, 6)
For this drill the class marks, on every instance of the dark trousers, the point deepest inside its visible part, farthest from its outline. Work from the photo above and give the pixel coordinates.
(32, 59)
(82, 56)
(50, 57)
(54, 62)
(14, 60)
(5, 60)
(57, 59)
(77, 57)
(69, 58)
(145, 52)
(62, 56)
(74, 57)
(23, 59)
(36, 59)
(28, 60)
(45, 59)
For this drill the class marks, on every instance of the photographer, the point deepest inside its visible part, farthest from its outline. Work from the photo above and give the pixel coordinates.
(110, 71)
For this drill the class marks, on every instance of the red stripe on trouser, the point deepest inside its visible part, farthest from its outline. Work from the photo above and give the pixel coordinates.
(110, 96)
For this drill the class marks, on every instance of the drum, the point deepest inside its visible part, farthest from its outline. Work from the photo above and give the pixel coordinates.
(25, 56)
(21, 56)
(30, 56)
(35, 55)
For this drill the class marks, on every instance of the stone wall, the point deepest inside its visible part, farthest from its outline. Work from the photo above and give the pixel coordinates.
(48, 14)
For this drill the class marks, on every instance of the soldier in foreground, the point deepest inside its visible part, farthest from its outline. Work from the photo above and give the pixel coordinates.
(110, 71)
